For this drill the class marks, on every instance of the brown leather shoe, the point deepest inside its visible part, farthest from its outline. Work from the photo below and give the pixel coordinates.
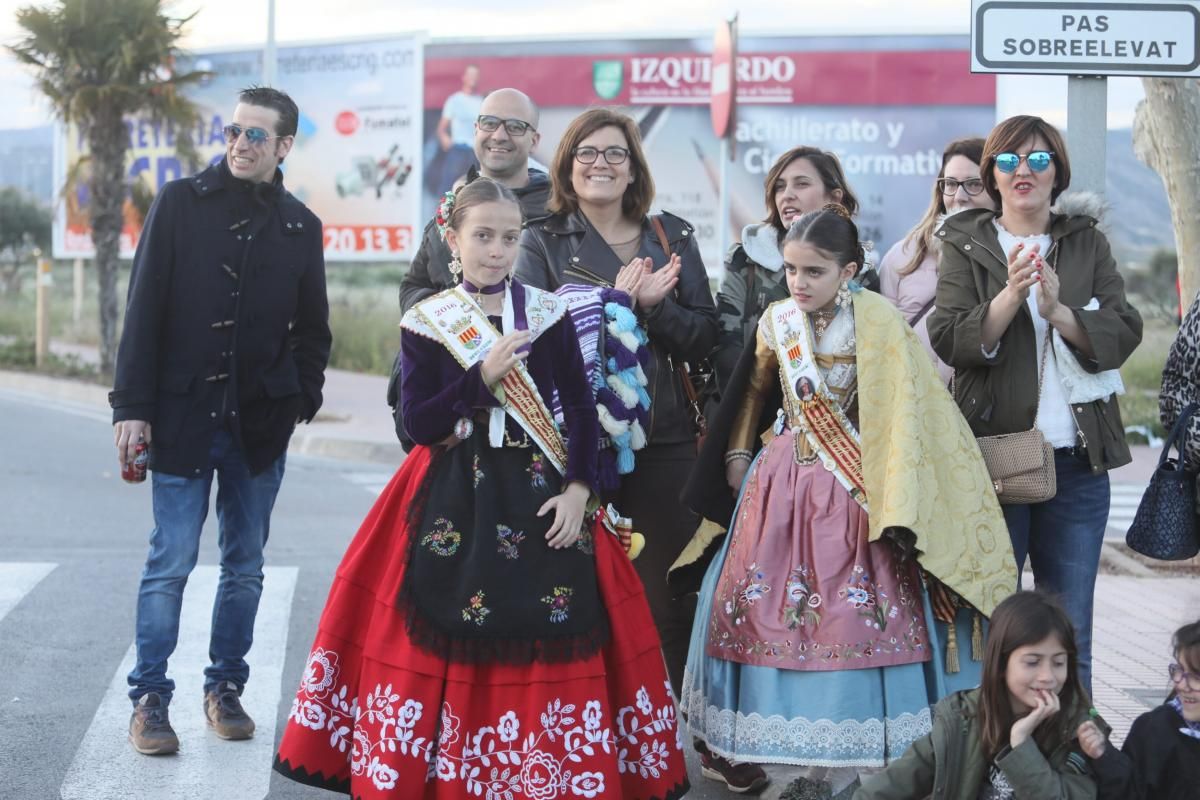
(150, 730)
(223, 708)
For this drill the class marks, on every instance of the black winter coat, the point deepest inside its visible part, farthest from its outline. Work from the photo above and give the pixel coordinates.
(1156, 761)
(565, 248)
(226, 321)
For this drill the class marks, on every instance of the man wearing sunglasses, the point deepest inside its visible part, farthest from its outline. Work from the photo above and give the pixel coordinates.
(223, 352)
(505, 134)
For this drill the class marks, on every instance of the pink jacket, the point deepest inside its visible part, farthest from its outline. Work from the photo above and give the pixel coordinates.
(909, 293)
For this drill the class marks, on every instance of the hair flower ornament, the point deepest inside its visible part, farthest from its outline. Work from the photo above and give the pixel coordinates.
(442, 217)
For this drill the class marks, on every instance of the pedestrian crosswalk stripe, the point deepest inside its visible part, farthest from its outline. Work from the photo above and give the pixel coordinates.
(207, 768)
(17, 579)
(1124, 504)
(374, 482)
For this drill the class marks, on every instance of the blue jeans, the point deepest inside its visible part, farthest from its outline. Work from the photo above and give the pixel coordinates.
(1062, 538)
(244, 504)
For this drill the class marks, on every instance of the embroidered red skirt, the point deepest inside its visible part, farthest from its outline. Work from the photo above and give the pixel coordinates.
(375, 716)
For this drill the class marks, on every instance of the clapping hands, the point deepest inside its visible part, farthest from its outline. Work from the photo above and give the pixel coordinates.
(646, 286)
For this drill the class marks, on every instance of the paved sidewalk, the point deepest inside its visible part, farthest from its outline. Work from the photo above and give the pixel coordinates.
(353, 423)
(1134, 620)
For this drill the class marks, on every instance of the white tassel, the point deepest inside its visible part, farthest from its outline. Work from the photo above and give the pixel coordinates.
(627, 394)
(612, 426)
(637, 439)
(626, 338)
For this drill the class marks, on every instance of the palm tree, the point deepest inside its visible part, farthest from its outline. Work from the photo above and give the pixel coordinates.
(99, 62)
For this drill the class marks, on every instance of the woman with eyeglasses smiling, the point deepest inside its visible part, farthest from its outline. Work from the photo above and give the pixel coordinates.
(1032, 315)
(1160, 758)
(908, 272)
(600, 233)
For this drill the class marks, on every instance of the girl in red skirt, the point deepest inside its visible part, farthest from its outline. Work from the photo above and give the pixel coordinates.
(485, 637)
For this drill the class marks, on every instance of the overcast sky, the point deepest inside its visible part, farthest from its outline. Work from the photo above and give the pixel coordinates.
(220, 23)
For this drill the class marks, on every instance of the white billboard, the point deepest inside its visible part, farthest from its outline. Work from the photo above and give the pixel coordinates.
(356, 161)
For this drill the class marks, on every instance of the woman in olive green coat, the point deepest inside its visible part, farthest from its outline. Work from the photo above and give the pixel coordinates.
(1031, 313)
(1013, 738)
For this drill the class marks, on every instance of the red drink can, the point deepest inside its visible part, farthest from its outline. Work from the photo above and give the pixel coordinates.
(135, 471)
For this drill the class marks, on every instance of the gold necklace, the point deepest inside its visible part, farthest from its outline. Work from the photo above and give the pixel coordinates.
(821, 320)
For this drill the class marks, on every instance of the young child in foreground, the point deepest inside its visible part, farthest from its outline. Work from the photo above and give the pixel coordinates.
(1161, 755)
(1014, 737)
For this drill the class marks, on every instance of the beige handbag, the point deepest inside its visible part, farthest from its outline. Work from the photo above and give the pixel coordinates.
(1021, 465)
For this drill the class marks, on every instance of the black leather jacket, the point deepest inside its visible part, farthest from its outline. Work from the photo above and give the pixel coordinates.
(565, 248)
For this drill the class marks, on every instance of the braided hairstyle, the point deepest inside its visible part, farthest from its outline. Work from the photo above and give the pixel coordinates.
(830, 230)
(477, 192)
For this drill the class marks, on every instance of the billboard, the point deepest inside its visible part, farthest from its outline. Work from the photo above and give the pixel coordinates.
(886, 105)
(356, 160)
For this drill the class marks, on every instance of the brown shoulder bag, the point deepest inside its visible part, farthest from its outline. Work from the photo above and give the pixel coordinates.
(1021, 464)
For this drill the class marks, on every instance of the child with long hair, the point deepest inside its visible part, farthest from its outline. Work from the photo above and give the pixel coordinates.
(484, 635)
(814, 643)
(1013, 738)
(1161, 755)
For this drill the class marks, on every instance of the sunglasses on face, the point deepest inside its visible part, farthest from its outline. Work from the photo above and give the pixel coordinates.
(514, 127)
(613, 155)
(949, 186)
(1038, 160)
(253, 135)
(1181, 676)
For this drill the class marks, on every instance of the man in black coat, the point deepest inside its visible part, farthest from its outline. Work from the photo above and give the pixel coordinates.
(505, 133)
(223, 352)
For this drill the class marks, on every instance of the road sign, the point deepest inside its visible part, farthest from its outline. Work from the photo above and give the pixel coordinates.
(1086, 38)
(724, 81)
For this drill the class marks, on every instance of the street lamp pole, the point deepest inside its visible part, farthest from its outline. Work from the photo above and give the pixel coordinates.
(268, 74)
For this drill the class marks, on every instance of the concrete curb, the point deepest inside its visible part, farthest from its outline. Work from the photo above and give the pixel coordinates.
(95, 396)
(347, 449)
(72, 391)
(1114, 562)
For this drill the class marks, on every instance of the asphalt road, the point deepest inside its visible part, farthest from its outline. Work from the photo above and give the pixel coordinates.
(72, 544)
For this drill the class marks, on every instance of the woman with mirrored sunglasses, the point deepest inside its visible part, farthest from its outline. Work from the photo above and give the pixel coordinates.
(1033, 317)
(600, 233)
(908, 271)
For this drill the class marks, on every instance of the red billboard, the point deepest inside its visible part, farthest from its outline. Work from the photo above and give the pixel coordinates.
(886, 105)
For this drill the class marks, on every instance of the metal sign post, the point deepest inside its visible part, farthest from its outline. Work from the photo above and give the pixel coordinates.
(1087, 131)
(1087, 41)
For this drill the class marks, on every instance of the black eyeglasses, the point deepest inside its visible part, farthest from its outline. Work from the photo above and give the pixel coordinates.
(253, 135)
(613, 155)
(1179, 675)
(514, 127)
(949, 186)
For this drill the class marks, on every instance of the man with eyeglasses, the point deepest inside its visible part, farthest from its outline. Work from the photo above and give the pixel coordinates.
(223, 353)
(505, 134)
